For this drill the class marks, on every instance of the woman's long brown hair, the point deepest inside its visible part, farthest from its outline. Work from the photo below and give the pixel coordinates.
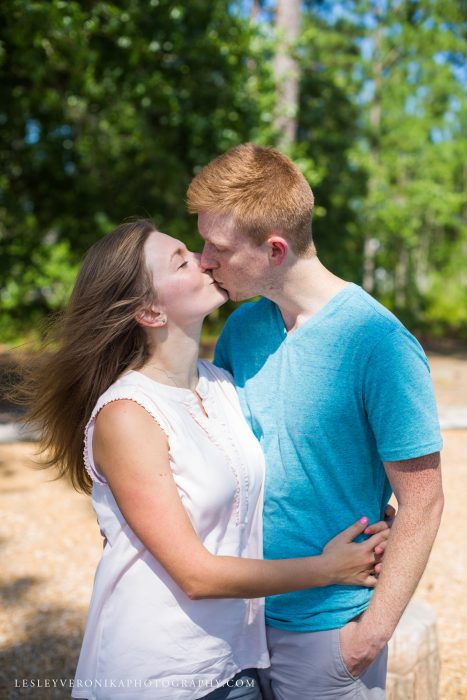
(91, 344)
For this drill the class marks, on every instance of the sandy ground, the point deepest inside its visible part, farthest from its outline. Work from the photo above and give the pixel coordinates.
(50, 546)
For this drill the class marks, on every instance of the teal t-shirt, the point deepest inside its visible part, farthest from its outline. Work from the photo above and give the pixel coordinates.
(329, 403)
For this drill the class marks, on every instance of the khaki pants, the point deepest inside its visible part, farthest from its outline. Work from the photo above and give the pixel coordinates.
(309, 666)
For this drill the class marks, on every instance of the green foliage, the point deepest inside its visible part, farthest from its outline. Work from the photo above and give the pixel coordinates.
(413, 148)
(327, 131)
(107, 109)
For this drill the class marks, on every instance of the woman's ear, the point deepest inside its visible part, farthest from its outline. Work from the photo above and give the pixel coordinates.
(151, 318)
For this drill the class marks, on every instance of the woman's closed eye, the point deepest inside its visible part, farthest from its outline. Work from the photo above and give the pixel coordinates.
(183, 264)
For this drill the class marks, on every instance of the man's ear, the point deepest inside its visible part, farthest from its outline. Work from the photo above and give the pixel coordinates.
(278, 249)
(151, 318)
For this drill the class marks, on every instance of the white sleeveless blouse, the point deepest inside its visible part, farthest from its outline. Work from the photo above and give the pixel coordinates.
(144, 637)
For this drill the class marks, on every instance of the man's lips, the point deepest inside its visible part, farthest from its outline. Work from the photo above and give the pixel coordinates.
(219, 285)
(216, 282)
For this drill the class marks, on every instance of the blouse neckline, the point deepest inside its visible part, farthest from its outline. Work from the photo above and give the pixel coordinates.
(176, 392)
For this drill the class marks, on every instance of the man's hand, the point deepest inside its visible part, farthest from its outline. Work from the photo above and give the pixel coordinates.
(358, 649)
(389, 515)
(417, 486)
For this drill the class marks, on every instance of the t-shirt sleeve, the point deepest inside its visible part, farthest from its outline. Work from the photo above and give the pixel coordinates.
(399, 399)
(221, 351)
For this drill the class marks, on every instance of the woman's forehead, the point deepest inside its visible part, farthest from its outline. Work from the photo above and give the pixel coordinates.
(161, 246)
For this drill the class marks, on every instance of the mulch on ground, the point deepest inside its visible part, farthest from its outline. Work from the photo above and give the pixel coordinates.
(51, 544)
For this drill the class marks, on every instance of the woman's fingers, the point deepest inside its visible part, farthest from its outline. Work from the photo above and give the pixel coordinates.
(377, 539)
(349, 534)
(370, 581)
(354, 530)
(379, 549)
(359, 527)
(376, 527)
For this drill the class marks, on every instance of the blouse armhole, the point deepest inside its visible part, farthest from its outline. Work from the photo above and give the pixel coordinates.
(105, 399)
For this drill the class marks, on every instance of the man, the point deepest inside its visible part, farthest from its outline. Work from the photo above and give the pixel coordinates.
(339, 394)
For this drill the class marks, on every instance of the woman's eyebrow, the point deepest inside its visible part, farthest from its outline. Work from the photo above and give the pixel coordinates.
(179, 251)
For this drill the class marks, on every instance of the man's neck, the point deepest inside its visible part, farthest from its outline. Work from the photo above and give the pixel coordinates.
(307, 286)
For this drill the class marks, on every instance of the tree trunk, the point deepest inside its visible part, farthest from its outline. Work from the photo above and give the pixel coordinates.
(286, 71)
(254, 10)
(370, 245)
(401, 273)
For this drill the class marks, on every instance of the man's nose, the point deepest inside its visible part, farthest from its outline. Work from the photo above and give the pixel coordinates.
(206, 262)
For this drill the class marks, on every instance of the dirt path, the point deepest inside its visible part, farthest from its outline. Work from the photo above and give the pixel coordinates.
(443, 583)
(50, 546)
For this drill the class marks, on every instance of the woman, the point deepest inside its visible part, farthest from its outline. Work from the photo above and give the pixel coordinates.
(176, 479)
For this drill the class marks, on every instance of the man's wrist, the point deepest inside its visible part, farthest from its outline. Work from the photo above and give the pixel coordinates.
(376, 635)
(359, 649)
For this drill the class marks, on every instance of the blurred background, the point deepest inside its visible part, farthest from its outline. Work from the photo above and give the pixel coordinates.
(107, 110)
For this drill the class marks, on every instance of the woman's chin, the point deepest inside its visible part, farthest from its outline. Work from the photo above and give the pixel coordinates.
(222, 298)
(222, 293)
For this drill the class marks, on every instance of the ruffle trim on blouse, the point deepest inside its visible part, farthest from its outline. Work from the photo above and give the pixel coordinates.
(225, 383)
(219, 437)
(103, 401)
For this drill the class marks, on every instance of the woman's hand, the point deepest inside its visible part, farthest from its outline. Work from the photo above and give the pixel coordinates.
(353, 563)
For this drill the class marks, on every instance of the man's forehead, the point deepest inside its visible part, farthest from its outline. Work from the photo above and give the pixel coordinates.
(215, 227)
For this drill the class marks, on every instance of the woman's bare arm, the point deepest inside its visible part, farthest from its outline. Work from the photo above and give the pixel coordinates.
(131, 450)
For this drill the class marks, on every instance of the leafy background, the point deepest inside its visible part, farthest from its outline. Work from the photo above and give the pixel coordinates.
(107, 110)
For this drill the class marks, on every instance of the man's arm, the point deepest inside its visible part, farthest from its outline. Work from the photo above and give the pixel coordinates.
(418, 489)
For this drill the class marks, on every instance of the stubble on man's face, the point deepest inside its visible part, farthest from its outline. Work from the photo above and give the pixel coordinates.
(245, 274)
(234, 260)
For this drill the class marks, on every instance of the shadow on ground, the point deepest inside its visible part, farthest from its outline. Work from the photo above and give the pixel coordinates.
(45, 655)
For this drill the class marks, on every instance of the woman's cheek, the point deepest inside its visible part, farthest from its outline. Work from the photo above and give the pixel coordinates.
(184, 283)
(176, 287)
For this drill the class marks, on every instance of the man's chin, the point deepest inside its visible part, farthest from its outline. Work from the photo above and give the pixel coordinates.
(234, 295)
(238, 296)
